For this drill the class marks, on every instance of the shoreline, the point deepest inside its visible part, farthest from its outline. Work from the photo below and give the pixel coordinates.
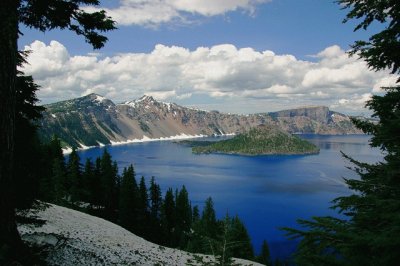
(182, 136)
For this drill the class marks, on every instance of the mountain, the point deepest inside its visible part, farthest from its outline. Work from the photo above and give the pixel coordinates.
(69, 237)
(261, 140)
(93, 120)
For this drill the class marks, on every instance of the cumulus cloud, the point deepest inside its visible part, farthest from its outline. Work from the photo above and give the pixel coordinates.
(155, 12)
(221, 72)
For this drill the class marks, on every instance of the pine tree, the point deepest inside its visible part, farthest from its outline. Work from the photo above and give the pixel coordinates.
(241, 247)
(28, 152)
(370, 234)
(208, 219)
(108, 179)
(88, 179)
(169, 218)
(128, 199)
(42, 16)
(155, 234)
(265, 256)
(143, 210)
(74, 177)
(195, 214)
(183, 217)
(59, 180)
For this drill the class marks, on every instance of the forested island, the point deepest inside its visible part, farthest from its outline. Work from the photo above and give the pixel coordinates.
(262, 140)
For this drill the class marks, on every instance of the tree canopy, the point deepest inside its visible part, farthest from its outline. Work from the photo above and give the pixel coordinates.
(370, 232)
(42, 15)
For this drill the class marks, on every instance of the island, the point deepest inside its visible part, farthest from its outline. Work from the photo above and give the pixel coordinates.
(261, 140)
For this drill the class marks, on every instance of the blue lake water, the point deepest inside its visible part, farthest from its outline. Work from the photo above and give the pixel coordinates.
(267, 192)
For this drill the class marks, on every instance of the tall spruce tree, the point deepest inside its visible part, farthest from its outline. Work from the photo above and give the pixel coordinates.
(370, 234)
(183, 217)
(128, 199)
(28, 163)
(74, 177)
(155, 234)
(109, 185)
(169, 219)
(265, 255)
(208, 219)
(42, 15)
(143, 211)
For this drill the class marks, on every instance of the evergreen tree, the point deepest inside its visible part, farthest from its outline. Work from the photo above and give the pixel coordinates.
(155, 234)
(155, 199)
(143, 210)
(59, 180)
(42, 16)
(265, 256)
(370, 234)
(108, 179)
(208, 219)
(128, 199)
(74, 177)
(241, 247)
(196, 214)
(27, 171)
(53, 181)
(169, 218)
(97, 187)
(183, 216)
(88, 180)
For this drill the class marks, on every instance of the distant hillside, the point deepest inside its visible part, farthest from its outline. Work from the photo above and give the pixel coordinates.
(263, 140)
(93, 120)
(69, 237)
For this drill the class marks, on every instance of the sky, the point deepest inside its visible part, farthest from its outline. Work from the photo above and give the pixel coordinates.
(237, 56)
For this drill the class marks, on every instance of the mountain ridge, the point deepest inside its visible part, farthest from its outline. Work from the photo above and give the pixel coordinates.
(94, 120)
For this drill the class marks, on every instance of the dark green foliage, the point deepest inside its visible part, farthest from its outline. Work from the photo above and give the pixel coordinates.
(265, 256)
(53, 181)
(47, 15)
(370, 234)
(128, 200)
(28, 152)
(168, 219)
(143, 215)
(208, 219)
(258, 141)
(155, 210)
(42, 15)
(183, 213)
(74, 177)
(109, 185)
(382, 50)
(239, 235)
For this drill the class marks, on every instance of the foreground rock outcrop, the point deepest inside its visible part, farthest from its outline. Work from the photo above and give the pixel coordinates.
(69, 237)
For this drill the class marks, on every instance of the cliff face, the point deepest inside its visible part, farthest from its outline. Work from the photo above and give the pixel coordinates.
(93, 120)
(315, 120)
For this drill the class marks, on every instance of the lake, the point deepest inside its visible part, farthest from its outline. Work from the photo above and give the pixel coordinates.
(267, 192)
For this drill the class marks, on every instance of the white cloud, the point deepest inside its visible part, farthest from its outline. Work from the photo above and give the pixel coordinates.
(156, 12)
(223, 72)
(354, 102)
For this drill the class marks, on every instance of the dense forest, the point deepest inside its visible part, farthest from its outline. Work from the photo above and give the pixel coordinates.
(169, 220)
(258, 141)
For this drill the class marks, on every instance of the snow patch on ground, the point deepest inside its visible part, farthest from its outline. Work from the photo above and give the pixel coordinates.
(70, 237)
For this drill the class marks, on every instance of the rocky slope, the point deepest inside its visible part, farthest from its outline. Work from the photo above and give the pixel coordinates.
(93, 120)
(70, 237)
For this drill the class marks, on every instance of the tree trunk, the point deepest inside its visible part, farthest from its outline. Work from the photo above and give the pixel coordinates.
(10, 241)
